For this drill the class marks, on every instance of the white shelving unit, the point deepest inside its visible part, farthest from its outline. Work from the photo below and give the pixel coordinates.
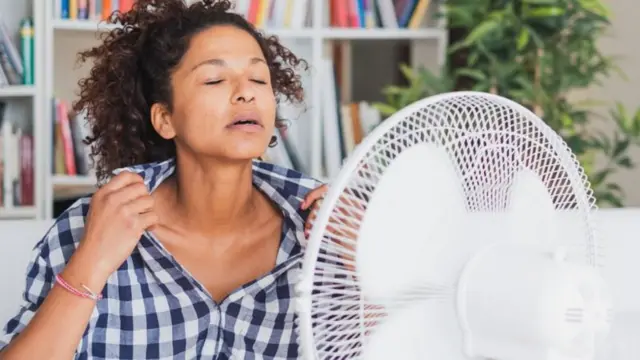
(50, 32)
(25, 103)
(17, 91)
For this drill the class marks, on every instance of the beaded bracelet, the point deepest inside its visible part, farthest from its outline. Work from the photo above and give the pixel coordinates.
(85, 294)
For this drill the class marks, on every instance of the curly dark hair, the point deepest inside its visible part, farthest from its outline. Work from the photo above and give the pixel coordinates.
(132, 68)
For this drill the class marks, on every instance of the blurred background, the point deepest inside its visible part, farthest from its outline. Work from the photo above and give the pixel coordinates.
(572, 62)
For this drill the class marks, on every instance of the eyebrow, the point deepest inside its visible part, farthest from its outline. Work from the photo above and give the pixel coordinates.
(220, 62)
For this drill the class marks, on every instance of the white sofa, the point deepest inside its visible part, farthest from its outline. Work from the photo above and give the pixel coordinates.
(620, 228)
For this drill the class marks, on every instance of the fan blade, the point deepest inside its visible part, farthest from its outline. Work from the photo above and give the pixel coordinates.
(390, 260)
(532, 218)
(418, 331)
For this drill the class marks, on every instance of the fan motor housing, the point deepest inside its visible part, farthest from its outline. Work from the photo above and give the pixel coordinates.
(522, 302)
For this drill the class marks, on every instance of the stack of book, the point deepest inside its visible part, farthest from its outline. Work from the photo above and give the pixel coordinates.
(89, 9)
(70, 156)
(391, 14)
(16, 164)
(261, 13)
(16, 65)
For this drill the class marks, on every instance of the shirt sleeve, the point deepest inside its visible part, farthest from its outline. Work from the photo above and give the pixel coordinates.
(38, 284)
(49, 256)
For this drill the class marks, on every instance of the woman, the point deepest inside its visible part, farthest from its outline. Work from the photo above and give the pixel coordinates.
(190, 250)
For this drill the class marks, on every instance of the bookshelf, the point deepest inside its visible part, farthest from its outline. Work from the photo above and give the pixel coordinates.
(58, 40)
(17, 91)
(21, 176)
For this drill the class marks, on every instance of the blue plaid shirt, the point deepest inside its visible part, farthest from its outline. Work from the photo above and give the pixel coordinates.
(153, 309)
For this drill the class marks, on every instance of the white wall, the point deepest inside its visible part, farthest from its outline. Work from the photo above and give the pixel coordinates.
(622, 41)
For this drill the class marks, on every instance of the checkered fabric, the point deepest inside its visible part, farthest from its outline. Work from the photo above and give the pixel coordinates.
(153, 309)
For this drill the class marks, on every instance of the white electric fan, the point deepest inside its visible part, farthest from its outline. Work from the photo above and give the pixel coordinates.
(461, 228)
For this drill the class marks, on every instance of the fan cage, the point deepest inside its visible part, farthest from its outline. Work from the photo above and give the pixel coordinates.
(488, 138)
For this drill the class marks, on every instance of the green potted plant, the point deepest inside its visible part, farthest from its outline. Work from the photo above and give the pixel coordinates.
(537, 53)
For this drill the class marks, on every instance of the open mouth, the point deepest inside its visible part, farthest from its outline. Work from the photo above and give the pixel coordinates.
(245, 122)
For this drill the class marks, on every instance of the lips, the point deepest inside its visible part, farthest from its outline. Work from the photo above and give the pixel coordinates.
(246, 122)
(248, 118)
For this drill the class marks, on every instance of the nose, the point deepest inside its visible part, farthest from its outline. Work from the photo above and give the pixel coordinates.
(244, 93)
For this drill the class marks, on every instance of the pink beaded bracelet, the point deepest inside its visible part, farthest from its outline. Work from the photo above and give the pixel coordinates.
(85, 294)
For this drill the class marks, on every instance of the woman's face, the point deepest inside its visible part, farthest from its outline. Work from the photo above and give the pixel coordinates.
(223, 103)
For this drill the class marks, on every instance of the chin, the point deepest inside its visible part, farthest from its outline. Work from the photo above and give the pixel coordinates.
(234, 150)
(244, 154)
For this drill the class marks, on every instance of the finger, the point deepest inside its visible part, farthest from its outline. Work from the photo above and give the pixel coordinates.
(313, 214)
(127, 194)
(121, 180)
(310, 220)
(147, 220)
(140, 205)
(314, 195)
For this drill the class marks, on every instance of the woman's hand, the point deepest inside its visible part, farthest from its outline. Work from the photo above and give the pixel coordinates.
(313, 201)
(343, 224)
(119, 214)
(346, 217)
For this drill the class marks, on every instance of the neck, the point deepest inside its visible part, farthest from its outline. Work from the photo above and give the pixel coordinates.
(214, 197)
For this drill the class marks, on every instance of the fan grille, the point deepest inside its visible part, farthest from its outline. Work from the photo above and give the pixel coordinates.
(488, 139)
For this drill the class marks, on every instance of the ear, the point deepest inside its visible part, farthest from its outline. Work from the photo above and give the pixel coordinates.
(161, 121)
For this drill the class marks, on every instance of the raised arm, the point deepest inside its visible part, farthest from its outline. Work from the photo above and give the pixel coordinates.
(55, 314)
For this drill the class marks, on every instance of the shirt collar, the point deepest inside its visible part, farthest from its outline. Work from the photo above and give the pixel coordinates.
(274, 181)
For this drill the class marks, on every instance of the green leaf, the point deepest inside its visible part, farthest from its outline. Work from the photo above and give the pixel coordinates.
(392, 90)
(596, 7)
(610, 198)
(385, 109)
(459, 15)
(457, 46)
(407, 72)
(481, 31)
(613, 187)
(475, 74)
(540, 2)
(545, 12)
(566, 120)
(635, 128)
(599, 177)
(625, 162)
(523, 39)
(473, 58)
(620, 147)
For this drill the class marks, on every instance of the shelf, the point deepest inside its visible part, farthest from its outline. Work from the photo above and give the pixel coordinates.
(381, 34)
(73, 180)
(308, 33)
(93, 26)
(17, 91)
(81, 25)
(18, 212)
(290, 33)
(65, 186)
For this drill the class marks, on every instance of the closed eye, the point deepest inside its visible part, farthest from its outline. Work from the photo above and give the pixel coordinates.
(259, 82)
(213, 82)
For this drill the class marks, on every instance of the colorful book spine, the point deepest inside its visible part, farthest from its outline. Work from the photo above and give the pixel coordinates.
(27, 47)
(64, 9)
